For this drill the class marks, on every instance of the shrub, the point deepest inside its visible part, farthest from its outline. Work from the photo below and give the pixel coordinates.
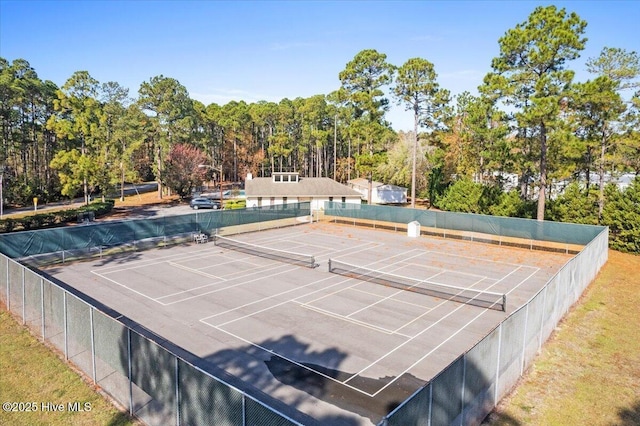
(56, 218)
(575, 205)
(622, 215)
(463, 196)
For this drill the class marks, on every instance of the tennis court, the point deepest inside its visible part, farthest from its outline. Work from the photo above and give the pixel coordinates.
(346, 344)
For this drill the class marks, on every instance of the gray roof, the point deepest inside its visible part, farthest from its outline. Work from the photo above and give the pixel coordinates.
(364, 184)
(305, 187)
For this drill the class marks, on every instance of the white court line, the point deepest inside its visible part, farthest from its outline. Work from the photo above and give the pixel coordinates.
(449, 338)
(194, 271)
(232, 286)
(400, 265)
(372, 245)
(386, 298)
(276, 305)
(443, 270)
(523, 281)
(292, 361)
(213, 284)
(124, 286)
(286, 301)
(351, 320)
(158, 299)
(149, 262)
(344, 383)
(420, 316)
(424, 331)
(166, 260)
(356, 281)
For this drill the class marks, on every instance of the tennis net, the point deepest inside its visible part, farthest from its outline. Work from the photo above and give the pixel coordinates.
(483, 299)
(265, 252)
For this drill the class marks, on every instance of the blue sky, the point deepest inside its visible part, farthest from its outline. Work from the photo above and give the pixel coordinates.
(268, 50)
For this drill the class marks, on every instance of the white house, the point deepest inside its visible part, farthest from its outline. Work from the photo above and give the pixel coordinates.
(290, 187)
(380, 193)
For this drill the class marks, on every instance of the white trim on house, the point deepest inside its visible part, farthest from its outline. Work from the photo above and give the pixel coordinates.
(286, 188)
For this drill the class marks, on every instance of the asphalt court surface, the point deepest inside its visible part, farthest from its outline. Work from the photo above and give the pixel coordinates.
(371, 344)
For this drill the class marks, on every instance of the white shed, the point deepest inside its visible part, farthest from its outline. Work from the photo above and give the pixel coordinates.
(380, 193)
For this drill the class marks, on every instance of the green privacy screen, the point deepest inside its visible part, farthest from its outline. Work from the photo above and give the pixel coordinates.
(83, 238)
(568, 233)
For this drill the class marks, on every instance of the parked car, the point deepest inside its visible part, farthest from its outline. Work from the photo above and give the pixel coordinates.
(204, 203)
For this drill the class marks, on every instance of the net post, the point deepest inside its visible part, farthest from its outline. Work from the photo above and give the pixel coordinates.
(329, 265)
(504, 302)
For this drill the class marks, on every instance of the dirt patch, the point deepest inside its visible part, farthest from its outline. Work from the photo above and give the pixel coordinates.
(138, 204)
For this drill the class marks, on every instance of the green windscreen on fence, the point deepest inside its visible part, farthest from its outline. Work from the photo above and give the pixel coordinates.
(110, 234)
(568, 233)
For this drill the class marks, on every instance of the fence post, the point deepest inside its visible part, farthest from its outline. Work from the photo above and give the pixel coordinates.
(524, 337)
(495, 393)
(177, 377)
(464, 380)
(93, 345)
(129, 371)
(24, 298)
(244, 410)
(430, 402)
(8, 288)
(64, 313)
(42, 308)
(544, 307)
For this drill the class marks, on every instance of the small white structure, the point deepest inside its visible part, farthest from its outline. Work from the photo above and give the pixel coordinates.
(380, 193)
(413, 229)
(290, 187)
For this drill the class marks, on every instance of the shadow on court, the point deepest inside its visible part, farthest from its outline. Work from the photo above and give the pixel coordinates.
(261, 373)
(318, 374)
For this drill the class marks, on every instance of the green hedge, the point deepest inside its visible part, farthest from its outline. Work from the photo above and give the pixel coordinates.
(235, 204)
(54, 218)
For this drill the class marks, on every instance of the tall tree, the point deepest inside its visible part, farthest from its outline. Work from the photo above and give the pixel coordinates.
(597, 108)
(482, 130)
(417, 88)
(619, 65)
(167, 102)
(362, 82)
(130, 131)
(182, 172)
(530, 75)
(600, 106)
(77, 120)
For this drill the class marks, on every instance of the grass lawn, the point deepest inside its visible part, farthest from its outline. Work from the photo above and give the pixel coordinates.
(588, 373)
(34, 375)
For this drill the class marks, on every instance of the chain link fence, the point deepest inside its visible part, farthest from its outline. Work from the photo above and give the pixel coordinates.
(163, 384)
(47, 246)
(466, 391)
(526, 233)
(157, 383)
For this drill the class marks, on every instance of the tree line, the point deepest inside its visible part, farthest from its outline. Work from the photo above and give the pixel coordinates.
(530, 120)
